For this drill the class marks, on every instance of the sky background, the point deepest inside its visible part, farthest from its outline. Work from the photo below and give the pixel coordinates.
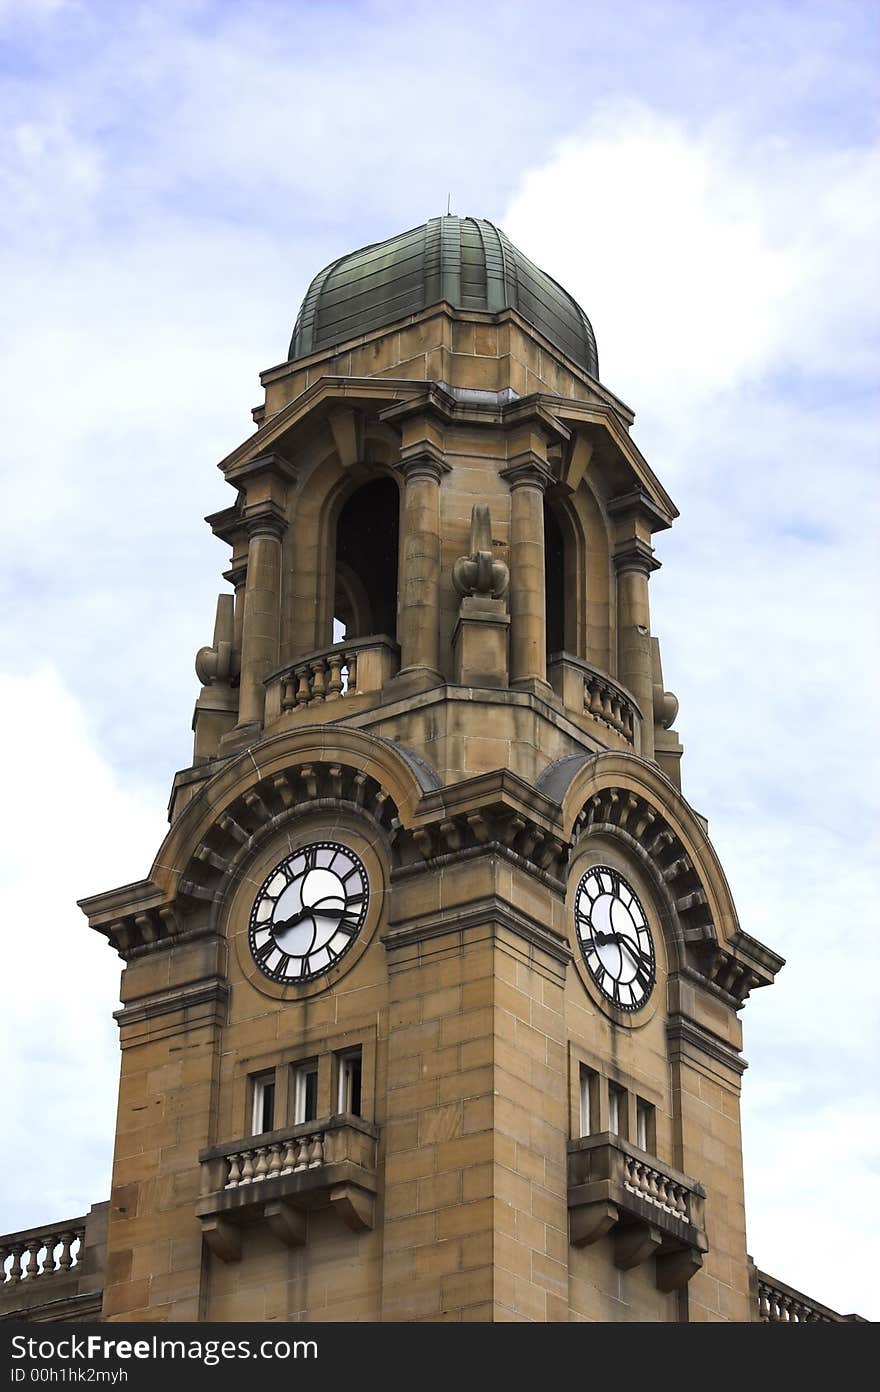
(703, 177)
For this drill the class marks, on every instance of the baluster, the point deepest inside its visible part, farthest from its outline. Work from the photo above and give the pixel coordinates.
(334, 686)
(615, 711)
(49, 1268)
(275, 1152)
(607, 714)
(31, 1248)
(234, 1171)
(289, 1163)
(65, 1257)
(302, 1153)
(303, 690)
(316, 1151)
(595, 698)
(628, 722)
(18, 1252)
(247, 1167)
(319, 684)
(288, 694)
(261, 1167)
(351, 684)
(5, 1253)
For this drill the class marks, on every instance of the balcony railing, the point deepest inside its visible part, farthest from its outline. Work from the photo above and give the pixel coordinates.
(353, 668)
(278, 1176)
(648, 1208)
(588, 692)
(780, 1304)
(55, 1268)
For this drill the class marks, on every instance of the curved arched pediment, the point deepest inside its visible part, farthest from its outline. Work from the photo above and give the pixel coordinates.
(623, 795)
(251, 796)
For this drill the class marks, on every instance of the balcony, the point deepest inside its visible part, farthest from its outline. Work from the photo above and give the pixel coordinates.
(359, 667)
(648, 1208)
(276, 1177)
(55, 1271)
(599, 702)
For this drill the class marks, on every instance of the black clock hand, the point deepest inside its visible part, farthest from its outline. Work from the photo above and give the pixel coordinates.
(306, 913)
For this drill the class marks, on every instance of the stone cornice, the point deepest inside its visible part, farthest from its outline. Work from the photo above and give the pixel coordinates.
(192, 997)
(482, 913)
(686, 1035)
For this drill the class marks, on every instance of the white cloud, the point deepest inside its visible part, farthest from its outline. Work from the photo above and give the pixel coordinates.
(732, 287)
(70, 827)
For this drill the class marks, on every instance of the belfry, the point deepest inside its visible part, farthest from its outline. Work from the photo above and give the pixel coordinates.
(430, 998)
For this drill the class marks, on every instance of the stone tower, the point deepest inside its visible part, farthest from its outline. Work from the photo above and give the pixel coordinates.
(430, 998)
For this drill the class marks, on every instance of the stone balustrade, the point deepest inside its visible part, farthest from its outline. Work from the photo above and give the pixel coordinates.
(656, 1187)
(55, 1270)
(358, 667)
(588, 692)
(781, 1304)
(40, 1253)
(648, 1209)
(277, 1177)
(251, 1166)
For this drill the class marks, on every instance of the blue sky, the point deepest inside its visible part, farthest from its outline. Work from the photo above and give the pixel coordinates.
(704, 178)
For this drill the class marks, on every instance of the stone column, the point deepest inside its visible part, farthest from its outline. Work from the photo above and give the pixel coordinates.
(419, 586)
(528, 601)
(261, 619)
(634, 561)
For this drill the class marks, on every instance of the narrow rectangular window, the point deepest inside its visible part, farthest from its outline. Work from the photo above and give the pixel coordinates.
(305, 1093)
(616, 1109)
(645, 1137)
(263, 1110)
(349, 1092)
(589, 1082)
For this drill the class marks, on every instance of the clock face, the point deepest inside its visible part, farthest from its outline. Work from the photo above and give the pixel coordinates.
(309, 911)
(613, 932)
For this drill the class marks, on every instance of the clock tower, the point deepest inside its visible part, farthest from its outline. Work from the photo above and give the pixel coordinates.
(430, 1005)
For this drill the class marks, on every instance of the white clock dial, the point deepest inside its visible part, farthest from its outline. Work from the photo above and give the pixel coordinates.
(308, 912)
(614, 936)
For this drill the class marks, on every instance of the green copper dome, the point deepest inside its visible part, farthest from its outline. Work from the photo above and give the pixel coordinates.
(466, 261)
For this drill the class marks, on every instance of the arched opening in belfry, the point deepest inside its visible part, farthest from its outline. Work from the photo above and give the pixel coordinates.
(554, 581)
(365, 596)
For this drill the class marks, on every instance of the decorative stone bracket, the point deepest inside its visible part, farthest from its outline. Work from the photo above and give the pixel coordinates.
(650, 1209)
(278, 1176)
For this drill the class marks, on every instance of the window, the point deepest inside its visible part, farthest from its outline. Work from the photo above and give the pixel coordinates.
(589, 1107)
(263, 1110)
(645, 1136)
(305, 1092)
(349, 1091)
(616, 1109)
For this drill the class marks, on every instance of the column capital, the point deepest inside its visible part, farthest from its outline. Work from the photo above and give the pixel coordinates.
(637, 507)
(270, 463)
(423, 461)
(236, 575)
(528, 470)
(634, 554)
(265, 518)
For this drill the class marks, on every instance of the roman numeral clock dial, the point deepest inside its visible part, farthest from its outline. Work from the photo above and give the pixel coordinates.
(308, 912)
(612, 929)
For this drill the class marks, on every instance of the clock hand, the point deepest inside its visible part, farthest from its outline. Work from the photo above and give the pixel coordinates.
(306, 913)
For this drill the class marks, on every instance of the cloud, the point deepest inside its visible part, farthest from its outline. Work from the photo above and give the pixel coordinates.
(732, 288)
(70, 827)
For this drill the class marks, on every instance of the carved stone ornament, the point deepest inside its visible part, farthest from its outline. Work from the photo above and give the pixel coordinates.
(220, 663)
(479, 573)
